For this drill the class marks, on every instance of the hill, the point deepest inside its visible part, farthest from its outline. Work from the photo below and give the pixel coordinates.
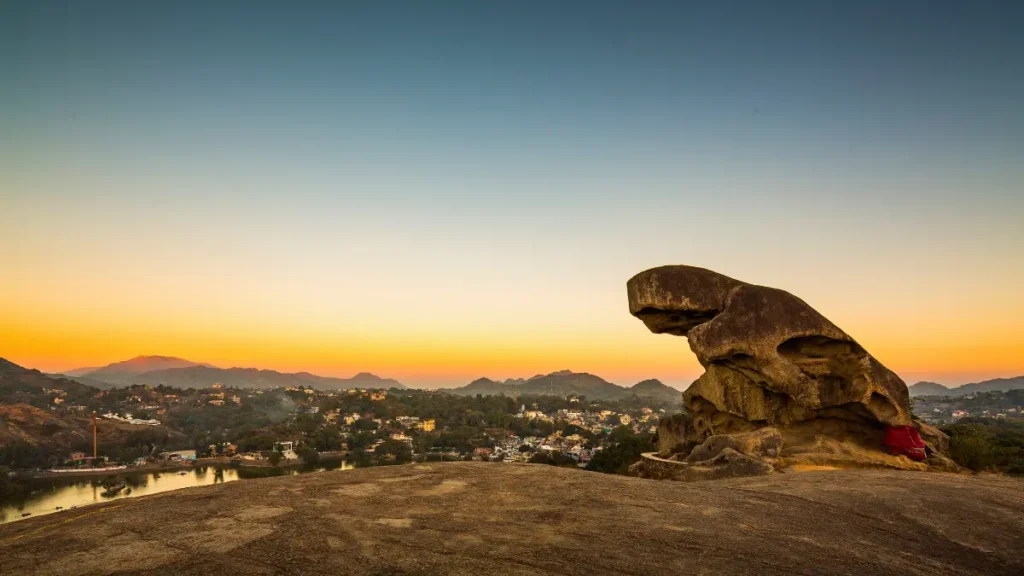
(656, 389)
(484, 386)
(206, 376)
(564, 383)
(123, 373)
(79, 371)
(20, 385)
(26, 397)
(140, 364)
(55, 433)
(167, 370)
(928, 389)
(995, 385)
(509, 519)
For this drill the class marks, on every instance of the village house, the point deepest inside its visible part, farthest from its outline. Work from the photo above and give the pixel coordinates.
(184, 455)
(410, 422)
(287, 449)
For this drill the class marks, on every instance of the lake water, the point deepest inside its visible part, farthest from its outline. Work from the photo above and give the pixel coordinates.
(67, 493)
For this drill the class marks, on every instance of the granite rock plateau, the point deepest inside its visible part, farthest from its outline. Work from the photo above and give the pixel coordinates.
(486, 518)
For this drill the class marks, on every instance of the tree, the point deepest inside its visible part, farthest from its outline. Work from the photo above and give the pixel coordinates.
(328, 438)
(983, 444)
(554, 458)
(361, 441)
(625, 449)
(401, 451)
(423, 443)
(309, 456)
(8, 486)
(364, 424)
(275, 458)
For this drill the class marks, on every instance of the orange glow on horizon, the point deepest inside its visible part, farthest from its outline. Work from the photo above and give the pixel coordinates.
(441, 359)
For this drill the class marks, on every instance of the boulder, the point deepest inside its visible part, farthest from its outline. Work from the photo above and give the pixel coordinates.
(770, 360)
(727, 463)
(673, 434)
(935, 439)
(764, 444)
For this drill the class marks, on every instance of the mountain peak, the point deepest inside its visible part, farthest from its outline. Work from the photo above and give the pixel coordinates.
(153, 358)
(140, 365)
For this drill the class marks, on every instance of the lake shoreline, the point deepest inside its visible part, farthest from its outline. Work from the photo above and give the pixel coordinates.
(164, 466)
(58, 492)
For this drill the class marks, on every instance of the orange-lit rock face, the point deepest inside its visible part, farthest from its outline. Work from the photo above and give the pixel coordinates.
(769, 358)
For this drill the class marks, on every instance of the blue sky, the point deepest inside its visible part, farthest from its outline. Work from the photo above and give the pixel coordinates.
(493, 174)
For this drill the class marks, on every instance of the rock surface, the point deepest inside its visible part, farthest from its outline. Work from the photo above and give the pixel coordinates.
(772, 360)
(727, 463)
(763, 444)
(477, 518)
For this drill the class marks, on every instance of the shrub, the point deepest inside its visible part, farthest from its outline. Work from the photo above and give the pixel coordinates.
(988, 444)
(972, 451)
(309, 456)
(275, 458)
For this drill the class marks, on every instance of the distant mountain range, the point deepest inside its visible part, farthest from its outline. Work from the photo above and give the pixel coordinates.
(181, 373)
(564, 383)
(936, 389)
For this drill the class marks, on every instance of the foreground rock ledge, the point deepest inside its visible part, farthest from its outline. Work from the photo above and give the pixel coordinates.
(477, 518)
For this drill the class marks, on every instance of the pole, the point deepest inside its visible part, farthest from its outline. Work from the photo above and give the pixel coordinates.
(94, 436)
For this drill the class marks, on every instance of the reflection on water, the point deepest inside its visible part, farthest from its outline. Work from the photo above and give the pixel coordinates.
(54, 495)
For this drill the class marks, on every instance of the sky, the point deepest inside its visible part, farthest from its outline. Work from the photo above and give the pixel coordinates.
(439, 191)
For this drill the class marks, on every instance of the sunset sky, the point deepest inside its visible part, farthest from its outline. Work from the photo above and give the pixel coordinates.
(439, 191)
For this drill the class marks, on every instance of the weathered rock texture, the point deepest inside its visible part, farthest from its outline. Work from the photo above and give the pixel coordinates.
(772, 360)
(482, 518)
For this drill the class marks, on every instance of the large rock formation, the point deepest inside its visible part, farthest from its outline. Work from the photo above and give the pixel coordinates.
(771, 360)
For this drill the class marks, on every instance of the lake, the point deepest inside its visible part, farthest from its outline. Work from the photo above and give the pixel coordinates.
(50, 493)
